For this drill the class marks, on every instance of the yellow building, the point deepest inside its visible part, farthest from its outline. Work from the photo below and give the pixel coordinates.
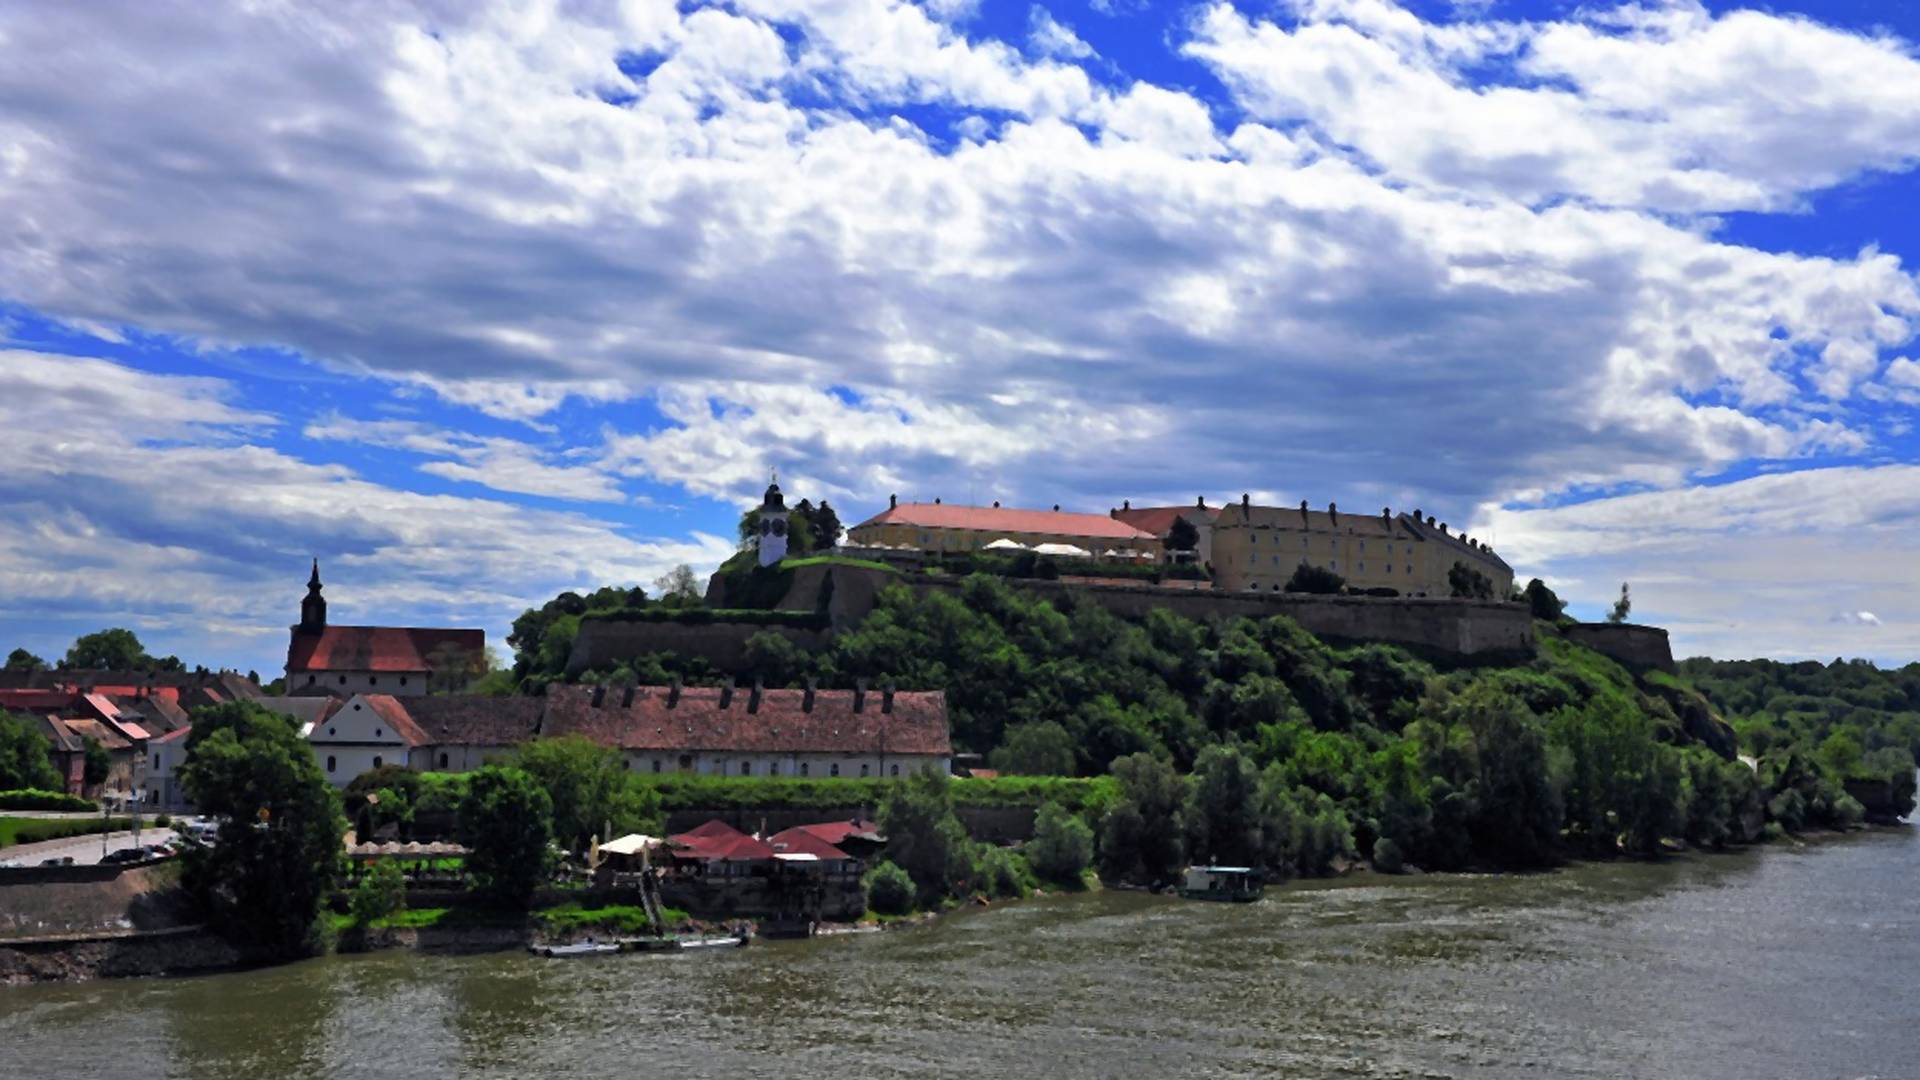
(938, 527)
(1257, 549)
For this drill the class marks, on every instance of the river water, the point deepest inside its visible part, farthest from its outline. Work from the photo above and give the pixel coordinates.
(1787, 962)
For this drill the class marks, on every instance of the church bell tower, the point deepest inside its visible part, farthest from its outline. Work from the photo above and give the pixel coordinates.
(773, 526)
(313, 609)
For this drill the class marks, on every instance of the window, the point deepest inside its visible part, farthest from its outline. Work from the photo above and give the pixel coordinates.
(329, 763)
(1409, 568)
(686, 762)
(656, 764)
(373, 680)
(746, 768)
(1276, 586)
(403, 680)
(343, 680)
(834, 769)
(376, 733)
(443, 759)
(896, 770)
(376, 761)
(309, 680)
(1362, 568)
(863, 770)
(156, 762)
(1254, 539)
(329, 731)
(803, 768)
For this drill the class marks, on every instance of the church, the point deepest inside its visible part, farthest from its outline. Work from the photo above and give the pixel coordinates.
(404, 661)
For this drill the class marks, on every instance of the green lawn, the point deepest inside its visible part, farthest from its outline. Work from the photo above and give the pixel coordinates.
(616, 918)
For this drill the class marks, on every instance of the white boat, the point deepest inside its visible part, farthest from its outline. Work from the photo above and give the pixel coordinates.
(578, 948)
(1233, 884)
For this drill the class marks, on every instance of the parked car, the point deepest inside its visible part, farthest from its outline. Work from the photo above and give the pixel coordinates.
(59, 860)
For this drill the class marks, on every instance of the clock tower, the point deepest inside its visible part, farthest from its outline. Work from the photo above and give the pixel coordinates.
(773, 526)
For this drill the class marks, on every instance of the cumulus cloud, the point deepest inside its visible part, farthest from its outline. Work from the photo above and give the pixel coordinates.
(133, 493)
(1754, 567)
(1050, 37)
(1445, 263)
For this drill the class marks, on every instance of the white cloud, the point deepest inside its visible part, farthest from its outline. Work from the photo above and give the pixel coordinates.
(1754, 567)
(1668, 107)
(129, 492)
(501, 464)
(1050, 37)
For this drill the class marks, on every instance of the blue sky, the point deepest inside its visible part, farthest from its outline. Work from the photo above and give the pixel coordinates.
(479, 302)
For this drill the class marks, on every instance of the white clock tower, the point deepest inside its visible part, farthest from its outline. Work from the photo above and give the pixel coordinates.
(773, 526)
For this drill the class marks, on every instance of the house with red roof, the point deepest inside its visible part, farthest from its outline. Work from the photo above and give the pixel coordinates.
(400, 661)
(941, 527)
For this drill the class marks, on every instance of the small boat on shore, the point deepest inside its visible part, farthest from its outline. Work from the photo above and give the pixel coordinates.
(1230, 884)
(578, 948)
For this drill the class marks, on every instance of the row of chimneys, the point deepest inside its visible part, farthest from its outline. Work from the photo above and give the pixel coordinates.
(893, 503)
(599, 699)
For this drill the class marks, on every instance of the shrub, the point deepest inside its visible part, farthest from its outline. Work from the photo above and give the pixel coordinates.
(1315, 579)
(1387, 857)
(1002, 872)
(1061, 848)
(39, 799)
(889, 890)
(382, 891)
(163, 821)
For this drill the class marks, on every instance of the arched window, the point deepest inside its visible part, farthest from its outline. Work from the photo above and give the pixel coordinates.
(834, 769)
(896, 770)
(656, 764)
(746, 768)
(803, 768)
(376, 761)
(330, 763)
(443, 759)
(343, 680)
(863, 770)
(309, 680)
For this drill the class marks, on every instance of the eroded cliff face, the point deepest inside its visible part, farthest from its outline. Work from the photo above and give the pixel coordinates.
(1886, 801)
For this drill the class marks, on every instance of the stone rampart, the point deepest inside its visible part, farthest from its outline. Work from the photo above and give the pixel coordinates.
(722, 644)
(1641, 648)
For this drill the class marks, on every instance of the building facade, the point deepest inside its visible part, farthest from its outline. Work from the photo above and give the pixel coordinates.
(403, 661)
(940, 528)
(1258, 548)
(719, 731)
(1158, 521)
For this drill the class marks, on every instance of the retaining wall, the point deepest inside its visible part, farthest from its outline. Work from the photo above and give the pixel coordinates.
(51, 900)
(1638, 647)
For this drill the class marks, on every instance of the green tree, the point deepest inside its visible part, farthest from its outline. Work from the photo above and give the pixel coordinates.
(890, 890)
(679, 587)
(1140, 838)
(1621, 607)
(98, 764)
(26, 759)
(776, 659)
(1040, 748)
(24, 661)
(116, 649)
(1222, 813)
(1517, 811)
(1315, 579)
(280, 826)
(1464, 582)
(506, 823)
(588, 787)
(1182, 535)
(1542, 601)
(1062, 846)
(380, 893)
(824, 524)
(925, 837)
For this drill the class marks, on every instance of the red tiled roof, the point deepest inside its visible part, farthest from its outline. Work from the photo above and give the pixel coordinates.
(475, 720)
(399, 649)
(917, 723)
(175, 735)
(1002, 519)
(1159, 519)
(388, 708)
(836, 832)
(98, 732)
(718, 841)
(802, 841)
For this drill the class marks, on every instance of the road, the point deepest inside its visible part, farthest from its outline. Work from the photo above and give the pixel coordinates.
(86, 850)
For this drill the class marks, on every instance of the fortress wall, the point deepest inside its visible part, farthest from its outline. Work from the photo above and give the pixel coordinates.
(724, 645)
(1637, 647)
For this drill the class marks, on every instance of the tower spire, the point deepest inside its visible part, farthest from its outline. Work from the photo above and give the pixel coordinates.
(313, 609)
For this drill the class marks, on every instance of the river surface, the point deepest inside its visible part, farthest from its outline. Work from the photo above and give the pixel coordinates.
(1786, 962)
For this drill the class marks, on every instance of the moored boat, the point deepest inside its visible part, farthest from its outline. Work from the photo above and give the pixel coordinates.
(1232, 884)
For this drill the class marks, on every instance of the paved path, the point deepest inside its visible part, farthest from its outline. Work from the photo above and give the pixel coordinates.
(86, 850)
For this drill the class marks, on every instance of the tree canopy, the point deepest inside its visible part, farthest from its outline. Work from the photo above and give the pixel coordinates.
(506, 822)
(24, 756)
(24, 661)
(116, 649)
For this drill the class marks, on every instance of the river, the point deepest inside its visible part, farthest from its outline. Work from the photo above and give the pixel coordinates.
(1787, 962)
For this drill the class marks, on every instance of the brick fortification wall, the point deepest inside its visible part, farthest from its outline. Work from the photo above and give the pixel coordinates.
(1450, 627)
(1640, 648)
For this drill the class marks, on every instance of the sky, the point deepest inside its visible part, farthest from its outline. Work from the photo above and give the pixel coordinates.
(476, 303)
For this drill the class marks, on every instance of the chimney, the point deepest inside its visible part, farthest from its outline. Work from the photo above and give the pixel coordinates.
(1126, 504)
(1417, 519)
(996, 504)
(1200, 503)
(599, 696)
(626, 698)
(936, 500)
(1056, 508)
(893, 502)
(806, 699)
(1305, 521)
(1333, 512)
(886, 697)
(1443, 529)
(1429, 520)
(753, 696)
(1246, 501)
(859, 695)
(1386, 515)
(726, 693)
(673, 692)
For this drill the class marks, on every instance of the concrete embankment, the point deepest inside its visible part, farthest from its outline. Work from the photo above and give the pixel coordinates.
(75, 958)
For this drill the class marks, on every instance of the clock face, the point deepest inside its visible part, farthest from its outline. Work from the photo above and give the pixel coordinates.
(779, 527)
